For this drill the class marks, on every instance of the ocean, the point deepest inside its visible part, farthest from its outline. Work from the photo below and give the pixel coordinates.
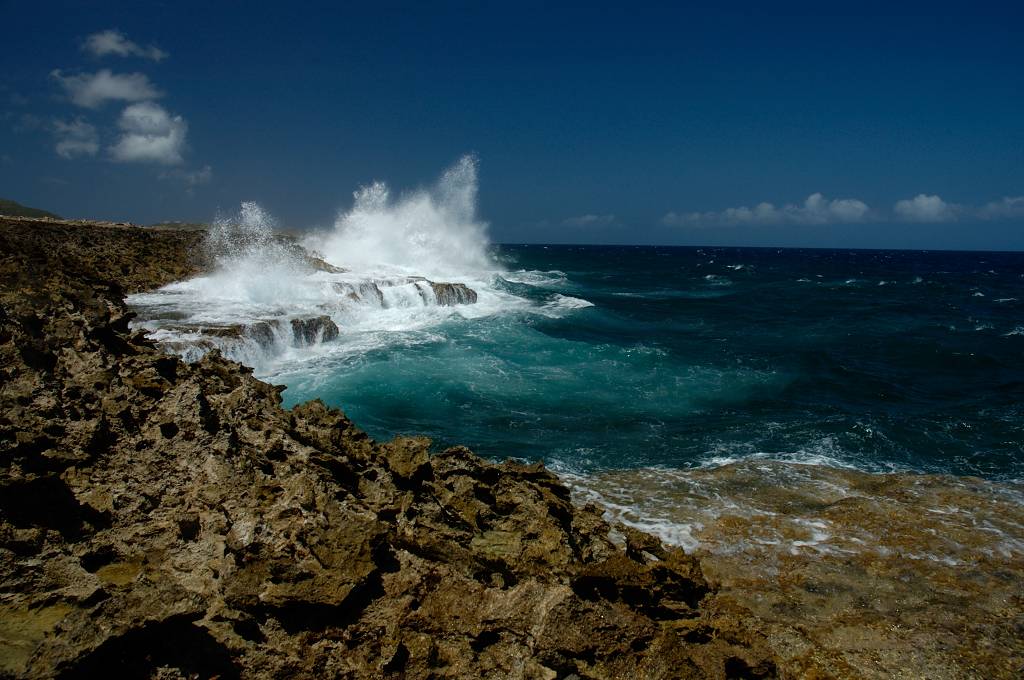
(617, 357)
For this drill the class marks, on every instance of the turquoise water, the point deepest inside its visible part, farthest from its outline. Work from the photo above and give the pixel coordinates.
(688, 357)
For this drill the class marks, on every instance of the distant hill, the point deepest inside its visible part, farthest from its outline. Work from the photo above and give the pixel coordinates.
(15, 209)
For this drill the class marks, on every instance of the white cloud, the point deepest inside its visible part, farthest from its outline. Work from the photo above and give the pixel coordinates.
(925, 208)
(114, 42)
(150, 134)
(1010, 207)
(92, 89)
(589, 220)
(75, 138)
(815, 210)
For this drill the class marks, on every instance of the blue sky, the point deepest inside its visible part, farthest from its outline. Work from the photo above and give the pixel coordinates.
(793, 124)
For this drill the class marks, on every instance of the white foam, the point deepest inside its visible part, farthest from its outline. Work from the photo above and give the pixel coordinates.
(825, 452)
(387, 250)
(560, 303)
(432, 232)
(536, 278)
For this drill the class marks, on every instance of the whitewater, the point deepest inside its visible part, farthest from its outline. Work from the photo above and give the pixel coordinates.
(373, 274)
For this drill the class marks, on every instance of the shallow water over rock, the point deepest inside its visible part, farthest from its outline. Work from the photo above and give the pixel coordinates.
(878, 574)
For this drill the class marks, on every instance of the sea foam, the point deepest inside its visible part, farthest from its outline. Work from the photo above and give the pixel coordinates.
(376, 274)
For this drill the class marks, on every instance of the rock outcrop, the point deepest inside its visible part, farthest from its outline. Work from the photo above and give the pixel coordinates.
(364, 291)
(444, 294)
(449, 294)
(301, 332)
(164, 519)
(312, 331)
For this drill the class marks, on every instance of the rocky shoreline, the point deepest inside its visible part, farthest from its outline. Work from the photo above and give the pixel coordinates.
(164, 519)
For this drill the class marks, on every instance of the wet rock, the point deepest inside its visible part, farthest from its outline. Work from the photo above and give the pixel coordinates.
(263, 333)
(306, 332)
(448, 294)
(365, 291)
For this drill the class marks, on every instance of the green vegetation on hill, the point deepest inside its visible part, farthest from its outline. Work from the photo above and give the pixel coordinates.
(15, 209)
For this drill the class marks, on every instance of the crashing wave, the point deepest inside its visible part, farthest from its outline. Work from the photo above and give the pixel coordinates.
(388, 265)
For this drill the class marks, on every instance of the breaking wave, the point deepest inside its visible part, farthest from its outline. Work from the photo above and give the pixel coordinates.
(389, 266)
(430, 232)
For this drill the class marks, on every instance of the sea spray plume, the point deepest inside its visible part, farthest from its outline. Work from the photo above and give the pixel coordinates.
(253, 263)
(430, 232)
(250, 232)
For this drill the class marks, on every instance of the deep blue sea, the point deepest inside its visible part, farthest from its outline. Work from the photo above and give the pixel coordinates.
(631, 357)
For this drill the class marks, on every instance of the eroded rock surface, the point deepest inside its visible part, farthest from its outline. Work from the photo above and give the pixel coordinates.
(313, 330)
(449, 294)
(166, 519)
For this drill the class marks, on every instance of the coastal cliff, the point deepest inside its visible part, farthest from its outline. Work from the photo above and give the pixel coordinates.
(165, 519)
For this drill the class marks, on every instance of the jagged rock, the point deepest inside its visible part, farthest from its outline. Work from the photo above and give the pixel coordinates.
(307, 332)
(263, 333)
(304, 332)
(362, 292)
(445, 294)
(164, 519)
(449, 294)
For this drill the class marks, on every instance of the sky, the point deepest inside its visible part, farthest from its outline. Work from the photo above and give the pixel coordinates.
(889, 125)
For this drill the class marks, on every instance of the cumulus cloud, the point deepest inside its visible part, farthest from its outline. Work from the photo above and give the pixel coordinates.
(116, 43)
(815, 210)
(1010, 207)
(589, 220)
(75, 138)
(90, 90)
(150, 134)
(925, 208)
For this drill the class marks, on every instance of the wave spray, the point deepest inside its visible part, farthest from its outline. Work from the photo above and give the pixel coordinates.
(431, 232)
